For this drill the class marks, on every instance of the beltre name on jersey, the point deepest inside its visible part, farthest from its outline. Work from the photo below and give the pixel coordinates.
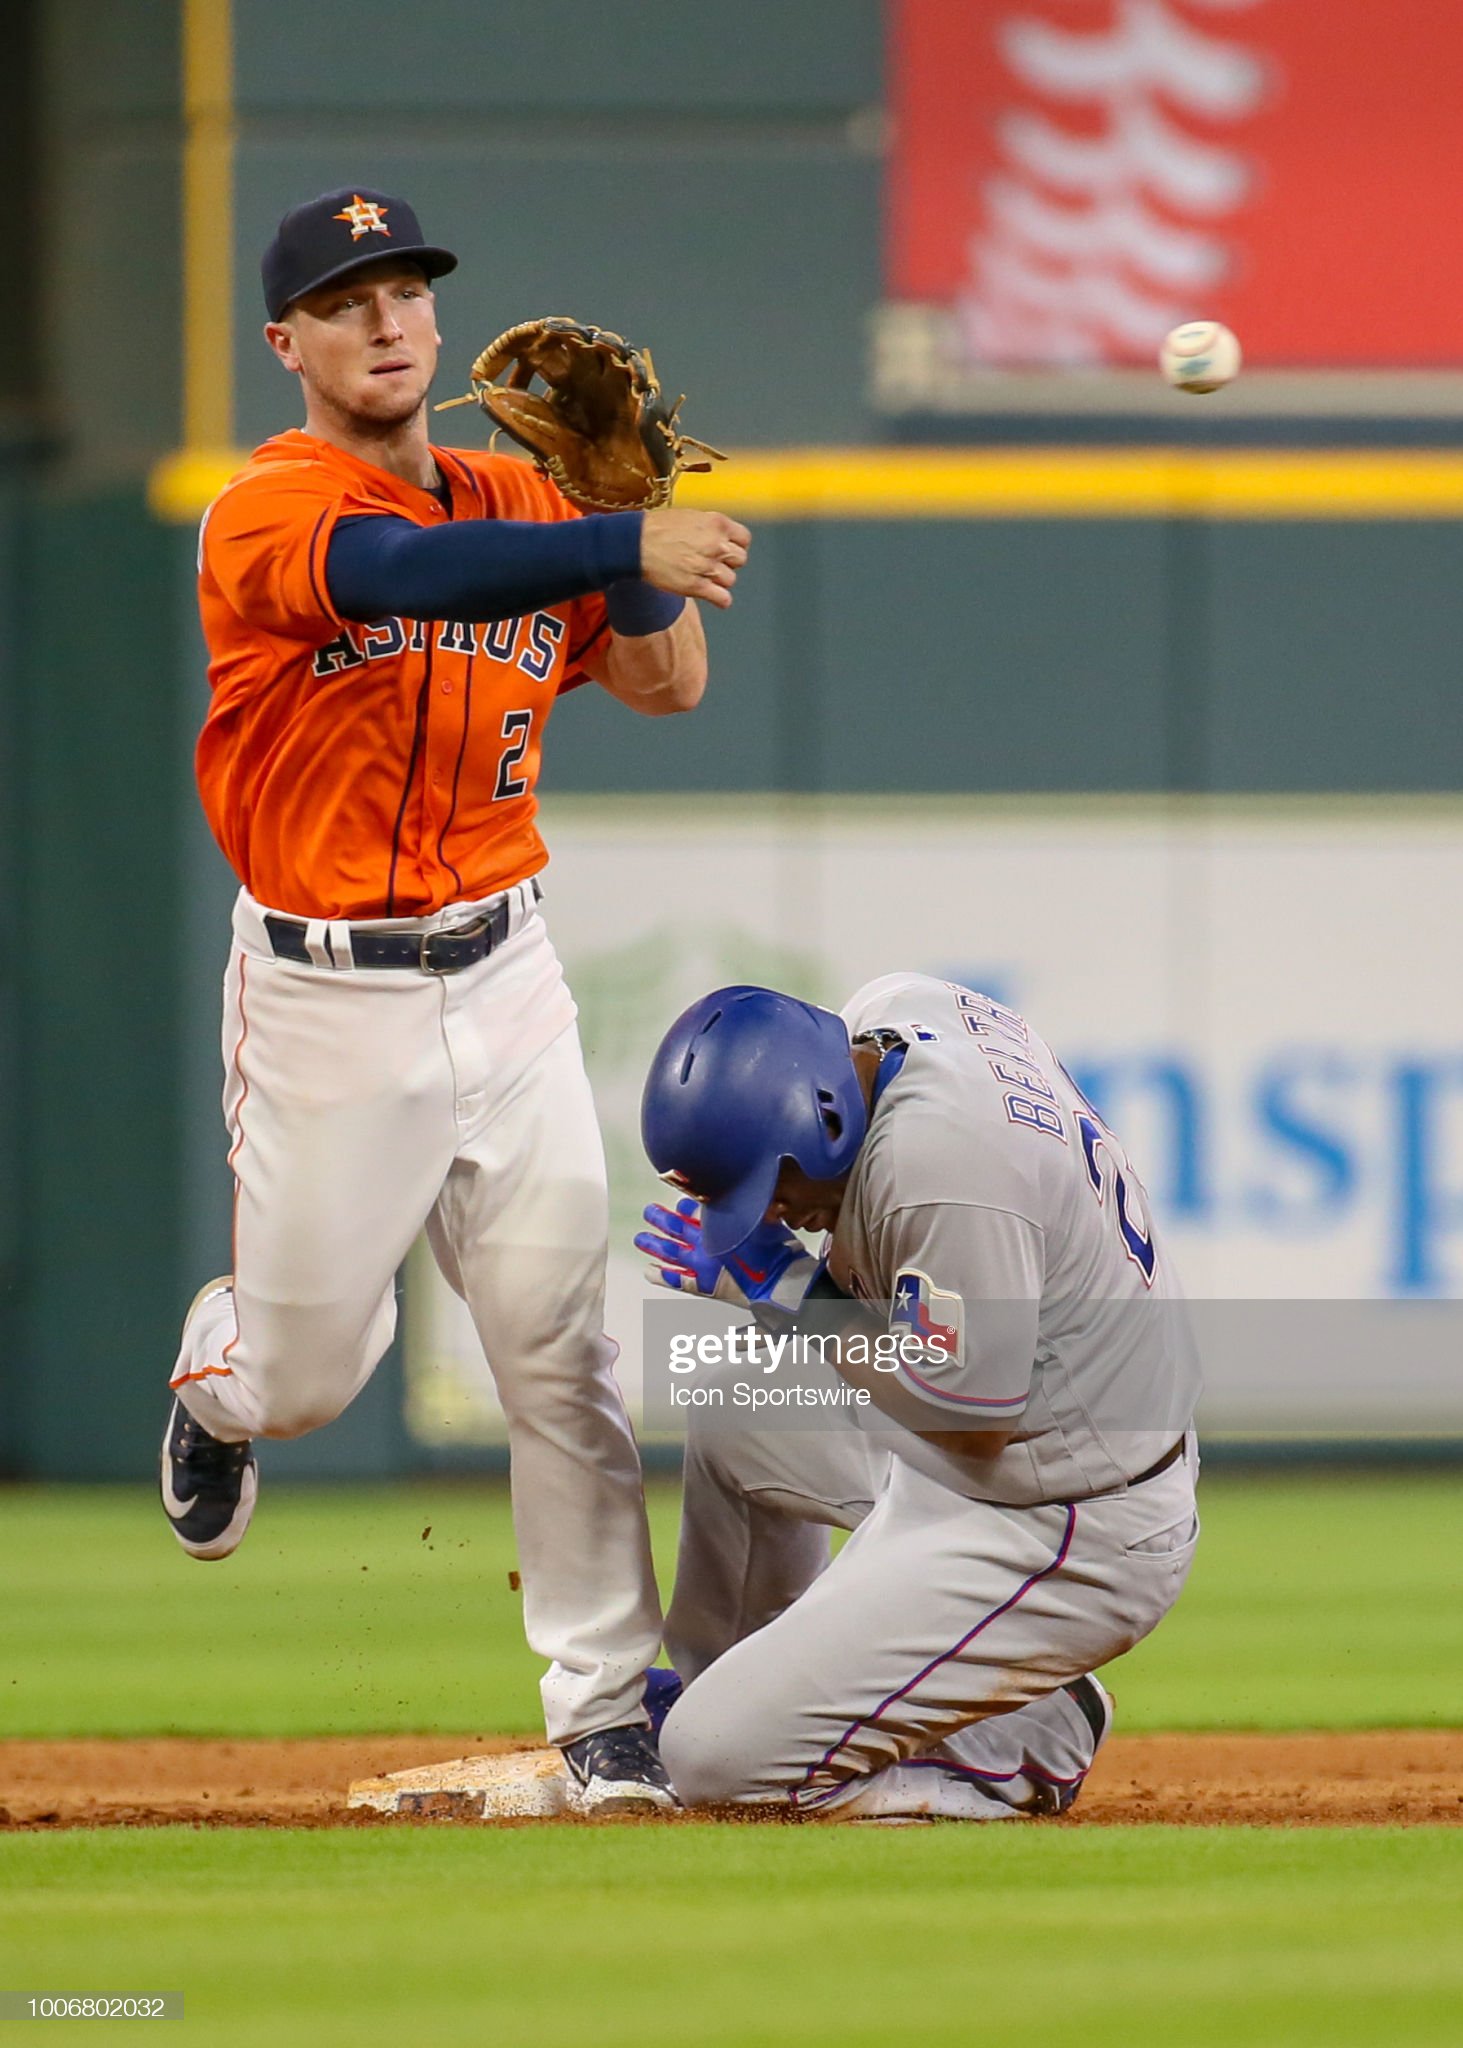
(1001, 1220)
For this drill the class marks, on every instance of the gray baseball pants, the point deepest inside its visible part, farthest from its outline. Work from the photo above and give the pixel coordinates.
(921, 1671)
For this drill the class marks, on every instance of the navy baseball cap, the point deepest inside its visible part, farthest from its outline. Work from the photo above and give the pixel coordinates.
(336, 233)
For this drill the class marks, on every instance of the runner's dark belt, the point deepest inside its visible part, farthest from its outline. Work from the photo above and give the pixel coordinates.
(1170, 1457)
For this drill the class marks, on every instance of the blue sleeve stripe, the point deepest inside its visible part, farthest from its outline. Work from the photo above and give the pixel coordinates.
(963, 1400)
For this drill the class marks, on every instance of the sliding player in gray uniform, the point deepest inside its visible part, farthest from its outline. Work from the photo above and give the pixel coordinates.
(1021, 1486)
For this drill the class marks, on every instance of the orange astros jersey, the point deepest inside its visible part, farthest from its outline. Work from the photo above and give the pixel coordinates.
(382, 770)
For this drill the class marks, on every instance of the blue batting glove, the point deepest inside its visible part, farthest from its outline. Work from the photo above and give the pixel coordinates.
(772, 1267)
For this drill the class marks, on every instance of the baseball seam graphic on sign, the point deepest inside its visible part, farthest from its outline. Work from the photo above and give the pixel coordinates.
(1092, 238)
(1068, 180)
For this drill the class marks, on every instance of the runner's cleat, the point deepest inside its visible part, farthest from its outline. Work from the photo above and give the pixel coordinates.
(618, 1771)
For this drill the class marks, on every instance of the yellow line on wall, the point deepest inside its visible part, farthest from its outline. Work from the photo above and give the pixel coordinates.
(208, 225)
(1013, 483)
(1099, 483)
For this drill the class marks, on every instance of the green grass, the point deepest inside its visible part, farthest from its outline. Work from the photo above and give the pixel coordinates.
(1107, 1939)
(1316, 1602)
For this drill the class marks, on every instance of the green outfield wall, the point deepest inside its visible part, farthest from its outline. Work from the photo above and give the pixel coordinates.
(11, 841)
(945, 657)
(709, 182)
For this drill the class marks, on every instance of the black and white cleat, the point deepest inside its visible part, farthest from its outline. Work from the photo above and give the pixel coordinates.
(208, 1488)
(618, 1770)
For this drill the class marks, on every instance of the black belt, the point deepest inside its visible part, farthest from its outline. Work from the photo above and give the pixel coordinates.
(1170, 1457)
(439, 952)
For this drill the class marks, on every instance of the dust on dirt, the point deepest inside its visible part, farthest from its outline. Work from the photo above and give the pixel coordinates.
(1363, 1779)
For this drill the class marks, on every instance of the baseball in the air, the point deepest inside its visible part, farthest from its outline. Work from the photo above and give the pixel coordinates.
(1200, 356)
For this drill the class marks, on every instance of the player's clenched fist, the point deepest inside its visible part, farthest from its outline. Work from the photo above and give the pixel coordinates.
(693, 554)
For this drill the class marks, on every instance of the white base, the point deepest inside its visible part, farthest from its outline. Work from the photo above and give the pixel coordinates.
(527, 1784)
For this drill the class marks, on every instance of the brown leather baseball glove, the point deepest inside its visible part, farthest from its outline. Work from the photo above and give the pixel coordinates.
(600, 428)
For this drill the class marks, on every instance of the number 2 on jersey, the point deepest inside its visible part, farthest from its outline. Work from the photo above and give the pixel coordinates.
(1097, 1138)
(517, 725)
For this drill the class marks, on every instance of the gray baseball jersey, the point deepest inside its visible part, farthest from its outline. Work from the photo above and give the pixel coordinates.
(1000, 1219)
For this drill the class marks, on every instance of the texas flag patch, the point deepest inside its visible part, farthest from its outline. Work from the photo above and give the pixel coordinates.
(929, 1313)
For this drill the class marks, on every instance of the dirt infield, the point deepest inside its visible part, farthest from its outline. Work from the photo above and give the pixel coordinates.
(1198, 1780)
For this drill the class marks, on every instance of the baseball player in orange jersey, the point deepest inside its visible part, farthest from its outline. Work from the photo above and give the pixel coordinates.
(389, 625)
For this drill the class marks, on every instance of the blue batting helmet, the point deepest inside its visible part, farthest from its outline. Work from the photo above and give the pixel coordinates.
(743, 1080)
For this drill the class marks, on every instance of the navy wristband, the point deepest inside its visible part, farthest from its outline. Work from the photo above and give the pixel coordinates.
(637, 608)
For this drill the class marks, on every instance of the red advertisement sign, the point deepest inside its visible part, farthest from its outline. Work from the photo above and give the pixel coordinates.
(1071, 178)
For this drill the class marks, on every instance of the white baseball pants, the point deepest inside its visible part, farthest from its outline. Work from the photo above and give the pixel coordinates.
(363, 1105)
(936, 1643)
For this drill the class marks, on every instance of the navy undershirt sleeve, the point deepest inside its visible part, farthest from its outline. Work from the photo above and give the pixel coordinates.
(475, 570)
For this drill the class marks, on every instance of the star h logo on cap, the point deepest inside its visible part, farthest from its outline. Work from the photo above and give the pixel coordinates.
(366, 217)
(307, 250)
